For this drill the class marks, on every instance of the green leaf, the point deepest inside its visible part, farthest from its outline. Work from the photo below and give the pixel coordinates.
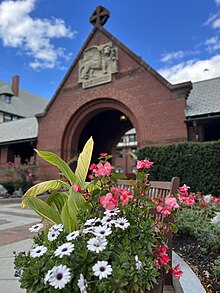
(58, 199)
(60, 163)
(44, 210)
(84, 162)
(41, 188)
(67, 220)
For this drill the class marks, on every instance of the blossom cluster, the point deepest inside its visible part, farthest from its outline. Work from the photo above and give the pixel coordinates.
(99, 228)
(114, 236)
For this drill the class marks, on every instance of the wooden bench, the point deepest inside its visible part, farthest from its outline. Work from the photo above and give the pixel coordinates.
(159, 189)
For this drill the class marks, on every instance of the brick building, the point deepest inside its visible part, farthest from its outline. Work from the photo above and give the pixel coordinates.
(108, 91)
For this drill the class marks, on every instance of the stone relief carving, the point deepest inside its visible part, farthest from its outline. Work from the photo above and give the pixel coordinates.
(98, 64)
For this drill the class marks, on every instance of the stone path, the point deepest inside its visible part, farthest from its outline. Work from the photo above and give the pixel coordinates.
(14, 236)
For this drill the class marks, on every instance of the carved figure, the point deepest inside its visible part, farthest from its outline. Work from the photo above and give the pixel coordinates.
(92, 60)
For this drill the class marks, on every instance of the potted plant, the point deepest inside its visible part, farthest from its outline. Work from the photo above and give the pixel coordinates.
(95, 237)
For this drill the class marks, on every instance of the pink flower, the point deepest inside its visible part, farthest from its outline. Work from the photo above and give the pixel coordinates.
(103, 154)
(177, 272)
(189, 200)
(92, 167)
(116, 190)
(76, 188)
(162, 257)
(184, 188)
(103, 170)
(108, 201)
(86, 195)
(124, 198)
(172, 202)
(144, 164)
(90, 176)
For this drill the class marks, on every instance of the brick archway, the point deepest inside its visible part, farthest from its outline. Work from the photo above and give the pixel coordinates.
(97, 118)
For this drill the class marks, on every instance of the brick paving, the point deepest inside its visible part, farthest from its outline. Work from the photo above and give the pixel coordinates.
(14, 223)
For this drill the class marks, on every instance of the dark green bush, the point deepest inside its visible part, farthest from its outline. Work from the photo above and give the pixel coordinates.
(196, 163)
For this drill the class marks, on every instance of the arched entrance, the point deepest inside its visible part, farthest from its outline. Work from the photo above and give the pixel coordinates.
(106, 120)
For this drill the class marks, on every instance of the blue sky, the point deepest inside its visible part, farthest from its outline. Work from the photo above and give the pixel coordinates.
(39, 39)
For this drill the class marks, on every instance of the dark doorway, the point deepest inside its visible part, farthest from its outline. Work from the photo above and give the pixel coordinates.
(212, 131)
(106, 128)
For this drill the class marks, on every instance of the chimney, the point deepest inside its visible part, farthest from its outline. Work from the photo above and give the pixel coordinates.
(15, 85)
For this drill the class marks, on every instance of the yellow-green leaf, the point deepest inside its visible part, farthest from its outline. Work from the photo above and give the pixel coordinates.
(67, 221)
(84, 162)
(59, 163)
(41, 188)
(44, 210)
(58, 199)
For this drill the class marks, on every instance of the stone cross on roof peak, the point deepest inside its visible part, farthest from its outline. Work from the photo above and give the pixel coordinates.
(99, 16)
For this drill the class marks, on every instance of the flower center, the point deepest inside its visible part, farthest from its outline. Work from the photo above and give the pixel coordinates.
(64, 249)
(122, 223)
(59, 276)
(102, 232)
(38, 251)
(102, 269)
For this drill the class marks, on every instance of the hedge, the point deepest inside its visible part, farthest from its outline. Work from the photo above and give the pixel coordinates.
(196, 163)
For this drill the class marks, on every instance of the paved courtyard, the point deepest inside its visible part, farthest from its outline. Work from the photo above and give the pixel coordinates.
(14, 236)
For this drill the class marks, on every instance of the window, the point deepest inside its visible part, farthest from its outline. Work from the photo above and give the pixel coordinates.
(7, 117)
(132, 137)
(134, 150)
(119, 170)
(118, 153)
(133, 170)
(8, 99)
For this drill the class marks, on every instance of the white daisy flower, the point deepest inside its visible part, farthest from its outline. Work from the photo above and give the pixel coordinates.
(108, 221)
(122, 223)
(38, 251)
(52, 235)
(97, 244)
(65, 249)
(139, 264)
(102, 231)
(48, 276)
(102, 269)
(73, 235)
(88, 230)
(60, 277)
(82, 284)
(92, 222)
(112, 212)
(36, 227)
(55, 228)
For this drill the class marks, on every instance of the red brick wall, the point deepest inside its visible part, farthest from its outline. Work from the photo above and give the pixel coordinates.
(156, 112)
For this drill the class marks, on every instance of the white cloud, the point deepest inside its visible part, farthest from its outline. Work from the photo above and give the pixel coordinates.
(217, 2)
(213, 20)
(168, 57)
(212, 44)
(32, 35)
(193, 70)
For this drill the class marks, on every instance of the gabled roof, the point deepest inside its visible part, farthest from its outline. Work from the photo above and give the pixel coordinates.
(204, 98)
(124, 48)
(6, 89)
(25, 129)
(26, 105)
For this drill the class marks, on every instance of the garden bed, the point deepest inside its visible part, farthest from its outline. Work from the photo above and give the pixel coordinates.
(199, 260)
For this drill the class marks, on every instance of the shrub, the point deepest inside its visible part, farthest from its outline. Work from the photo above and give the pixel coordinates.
(196, 223)
(18, 176)
(195, 163)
